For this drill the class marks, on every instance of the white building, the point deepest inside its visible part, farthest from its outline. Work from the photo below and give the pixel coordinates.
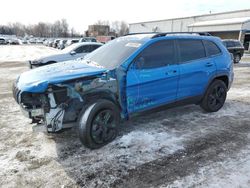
(227, 25)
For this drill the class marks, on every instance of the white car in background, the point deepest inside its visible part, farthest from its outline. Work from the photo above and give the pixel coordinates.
(74, 51)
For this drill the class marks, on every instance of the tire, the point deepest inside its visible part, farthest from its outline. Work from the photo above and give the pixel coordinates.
(237, 58)
(214, 97)
(95, 130)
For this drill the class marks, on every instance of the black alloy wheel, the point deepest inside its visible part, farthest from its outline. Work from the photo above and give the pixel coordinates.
(103, 127)
(215, 96)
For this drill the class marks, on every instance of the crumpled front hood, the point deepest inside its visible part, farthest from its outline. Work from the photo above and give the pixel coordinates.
(37, 80)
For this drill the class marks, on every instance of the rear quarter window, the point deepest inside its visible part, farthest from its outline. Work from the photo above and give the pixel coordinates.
(212, 48)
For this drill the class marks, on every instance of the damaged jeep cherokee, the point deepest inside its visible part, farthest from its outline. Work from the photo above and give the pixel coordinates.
(126, 76)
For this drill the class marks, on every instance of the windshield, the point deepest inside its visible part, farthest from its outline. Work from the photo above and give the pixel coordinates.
(114, 53)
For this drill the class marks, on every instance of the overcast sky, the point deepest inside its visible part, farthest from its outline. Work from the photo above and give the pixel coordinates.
(81, 13)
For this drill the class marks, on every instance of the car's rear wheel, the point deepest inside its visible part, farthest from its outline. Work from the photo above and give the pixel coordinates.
(98, 124)
(237, 58)
(214, 97)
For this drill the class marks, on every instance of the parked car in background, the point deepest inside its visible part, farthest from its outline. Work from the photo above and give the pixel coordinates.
(88, 39)
(25, 41)
(71, 41)
(61, 44)
(235, 47)
(49, 42)
(127, 76)
(14, 41)
(55, 43)
(246, 45)
(75, 51)
(32, 41)
(3, 41)
(39, 41)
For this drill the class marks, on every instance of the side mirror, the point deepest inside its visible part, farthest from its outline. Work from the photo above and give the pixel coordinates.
(72, 53)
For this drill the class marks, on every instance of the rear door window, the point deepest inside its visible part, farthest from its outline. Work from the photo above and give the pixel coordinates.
(191, 49)
(212, 48)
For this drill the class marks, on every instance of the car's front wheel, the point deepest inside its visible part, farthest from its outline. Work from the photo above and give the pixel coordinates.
(214, 97)
(98, 124)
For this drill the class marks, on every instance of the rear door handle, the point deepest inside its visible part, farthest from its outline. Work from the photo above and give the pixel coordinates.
(209, 64)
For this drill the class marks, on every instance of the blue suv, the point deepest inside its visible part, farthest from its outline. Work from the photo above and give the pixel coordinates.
(129, 75)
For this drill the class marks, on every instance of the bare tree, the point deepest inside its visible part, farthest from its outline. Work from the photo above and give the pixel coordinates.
(59, 28)
(65, 28)
(41, 29)
(102, 22)
(17, 28)
(120, 27)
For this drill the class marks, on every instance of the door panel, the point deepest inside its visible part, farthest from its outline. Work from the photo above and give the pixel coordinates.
(195, 68)
(194, 77)
(152, 87)
(155, 83)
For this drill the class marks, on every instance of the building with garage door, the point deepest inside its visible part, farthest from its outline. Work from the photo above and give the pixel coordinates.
(226, 25)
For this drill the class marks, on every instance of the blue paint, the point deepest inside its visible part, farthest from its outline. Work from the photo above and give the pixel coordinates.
(140, 89)
(37, 80)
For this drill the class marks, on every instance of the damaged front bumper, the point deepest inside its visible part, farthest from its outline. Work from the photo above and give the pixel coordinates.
(32, 113)
(47, 108)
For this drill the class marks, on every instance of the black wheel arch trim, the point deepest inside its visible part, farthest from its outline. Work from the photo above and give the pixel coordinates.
(218, 75)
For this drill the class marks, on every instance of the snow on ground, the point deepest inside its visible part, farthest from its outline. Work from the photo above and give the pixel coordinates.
(231, 173)
(24, 52)
(180, 147)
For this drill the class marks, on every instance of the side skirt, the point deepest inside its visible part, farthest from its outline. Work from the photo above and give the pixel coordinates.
(190, 100)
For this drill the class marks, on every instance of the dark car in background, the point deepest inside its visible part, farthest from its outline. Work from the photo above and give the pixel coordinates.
(2, 41)
(235, 47)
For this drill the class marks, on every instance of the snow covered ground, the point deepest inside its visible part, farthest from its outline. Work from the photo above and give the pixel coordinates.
(179, 147)
(23, 52)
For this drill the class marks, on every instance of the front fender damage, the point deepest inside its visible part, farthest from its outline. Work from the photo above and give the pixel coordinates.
(66, 100)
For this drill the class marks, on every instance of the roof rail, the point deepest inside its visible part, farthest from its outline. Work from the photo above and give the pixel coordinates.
(174, 33)
(142, 33)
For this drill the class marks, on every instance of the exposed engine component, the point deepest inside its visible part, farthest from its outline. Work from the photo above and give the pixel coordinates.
(54, 118)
